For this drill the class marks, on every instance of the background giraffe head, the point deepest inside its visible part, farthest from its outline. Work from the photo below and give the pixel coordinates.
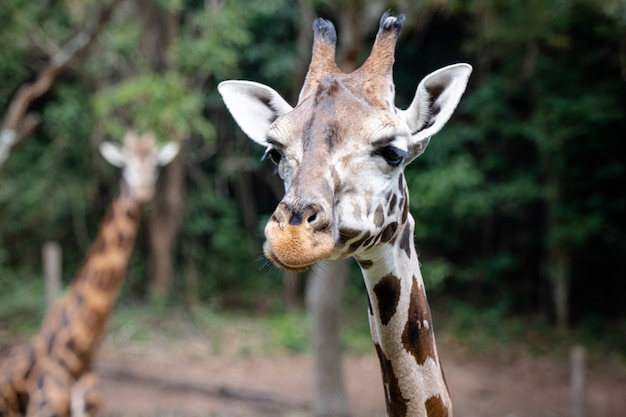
(139, 158)
(342, 150)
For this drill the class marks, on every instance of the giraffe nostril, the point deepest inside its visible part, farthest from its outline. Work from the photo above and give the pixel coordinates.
(281, 215)
(311, 215)
(314, 215)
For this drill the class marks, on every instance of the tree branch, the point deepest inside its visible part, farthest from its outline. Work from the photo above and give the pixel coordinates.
(18, 124)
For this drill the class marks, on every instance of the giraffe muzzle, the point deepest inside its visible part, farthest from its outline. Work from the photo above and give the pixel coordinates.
(144, 194)
(298, 236)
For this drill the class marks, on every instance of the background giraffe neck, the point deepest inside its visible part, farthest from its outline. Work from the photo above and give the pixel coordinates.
(402, 329)
(71, 332)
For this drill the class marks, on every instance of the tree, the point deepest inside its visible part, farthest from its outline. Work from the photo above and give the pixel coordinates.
(520, 161)
(167, 95)
(18, 122)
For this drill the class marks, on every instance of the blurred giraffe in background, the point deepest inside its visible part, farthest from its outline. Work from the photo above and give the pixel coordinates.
(52, 375)
(341, 153)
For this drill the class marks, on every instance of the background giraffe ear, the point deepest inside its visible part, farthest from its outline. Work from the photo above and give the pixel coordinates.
(435, 100)
(113, 153)
(254, 107)
(167, 153)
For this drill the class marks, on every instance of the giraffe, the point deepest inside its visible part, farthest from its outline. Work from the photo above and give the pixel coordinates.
(52, 375)
(341, 153)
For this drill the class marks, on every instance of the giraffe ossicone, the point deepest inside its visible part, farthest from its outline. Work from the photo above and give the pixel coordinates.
(341, 152)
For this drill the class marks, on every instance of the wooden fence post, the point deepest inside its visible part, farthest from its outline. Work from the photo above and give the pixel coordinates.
(577, 365)
(51, 254)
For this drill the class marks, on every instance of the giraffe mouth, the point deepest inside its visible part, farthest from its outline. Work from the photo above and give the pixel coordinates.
(269, 254)
(144, 194)
(296, 248)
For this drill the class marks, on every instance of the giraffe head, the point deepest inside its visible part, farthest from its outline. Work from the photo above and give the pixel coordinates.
(342, 149)
(139, 158)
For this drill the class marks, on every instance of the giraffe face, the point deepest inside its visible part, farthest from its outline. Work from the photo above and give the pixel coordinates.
(341, 159)
(139, 159)
(342, 150)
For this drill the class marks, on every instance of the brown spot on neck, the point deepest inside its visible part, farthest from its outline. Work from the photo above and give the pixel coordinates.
(405, 240)
(392, 205)
(379, 216)
(357, 243)
(387, 291)
(417, 336)
(365, 263)
(388, 232)
(405, 208)
(396, 403)
(436, 408)
(347, 234)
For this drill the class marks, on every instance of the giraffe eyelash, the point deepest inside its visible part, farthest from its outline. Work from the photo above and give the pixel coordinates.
(392, 155)
(273, 155)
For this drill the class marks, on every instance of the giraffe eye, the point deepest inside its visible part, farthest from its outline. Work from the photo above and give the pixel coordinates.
(273, 155)
(392, 155)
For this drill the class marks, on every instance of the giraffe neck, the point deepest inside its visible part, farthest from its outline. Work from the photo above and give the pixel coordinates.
(402, 329)
(70, 334)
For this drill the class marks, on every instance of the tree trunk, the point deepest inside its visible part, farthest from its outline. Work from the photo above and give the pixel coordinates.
(560, 265)
(292, 292)
(164, 225)
(324, 294)
(160, 31)
(577, 381)
(558, 252)
(52, 271)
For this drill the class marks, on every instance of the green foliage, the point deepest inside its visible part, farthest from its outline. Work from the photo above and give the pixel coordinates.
(230, 331)
(355, 330)
(603, 337)
(481, 328)
(289, 331)
(16, 35)
(435, 272)
(210, 44)
(529, 163)
(495, 329)
(458, 186)
(158, 102)
(214, 243)
(222, 332)
(273, 58)
(22, 304)
(53, 197)
(54, 21)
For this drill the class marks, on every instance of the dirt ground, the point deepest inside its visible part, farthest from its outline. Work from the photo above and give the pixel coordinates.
(188, 378)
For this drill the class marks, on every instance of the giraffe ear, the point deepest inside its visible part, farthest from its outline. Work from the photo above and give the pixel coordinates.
(435, 100)
(167, 153)
(113, 153)
(254, 107)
